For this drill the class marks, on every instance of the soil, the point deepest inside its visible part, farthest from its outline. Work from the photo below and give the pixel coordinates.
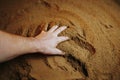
(92, 53)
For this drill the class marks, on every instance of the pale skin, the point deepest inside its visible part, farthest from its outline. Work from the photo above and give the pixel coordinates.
(12, 45)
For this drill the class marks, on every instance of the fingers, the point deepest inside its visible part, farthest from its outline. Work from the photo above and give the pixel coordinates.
(59, 30)
(53, 28)
(62, 38)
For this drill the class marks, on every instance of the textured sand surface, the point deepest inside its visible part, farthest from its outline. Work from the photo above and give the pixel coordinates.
(93, 53)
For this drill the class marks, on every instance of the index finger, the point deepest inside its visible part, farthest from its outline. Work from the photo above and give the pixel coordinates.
(53, 28)
(59, 30)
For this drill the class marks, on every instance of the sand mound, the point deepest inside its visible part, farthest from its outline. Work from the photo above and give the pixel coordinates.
(93, 53)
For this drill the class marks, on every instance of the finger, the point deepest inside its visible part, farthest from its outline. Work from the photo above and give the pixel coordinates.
(57, 51)
(62, 38)
(53, 28)
(59, 30)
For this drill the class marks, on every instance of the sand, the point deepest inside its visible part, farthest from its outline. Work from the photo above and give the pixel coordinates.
(92, 53)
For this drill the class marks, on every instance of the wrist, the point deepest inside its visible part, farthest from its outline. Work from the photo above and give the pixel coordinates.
(32, 45)
(35, 44)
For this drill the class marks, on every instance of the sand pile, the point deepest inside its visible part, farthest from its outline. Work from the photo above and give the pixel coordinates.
(93, 53)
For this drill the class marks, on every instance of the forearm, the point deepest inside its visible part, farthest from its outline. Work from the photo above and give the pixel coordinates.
(12, 46)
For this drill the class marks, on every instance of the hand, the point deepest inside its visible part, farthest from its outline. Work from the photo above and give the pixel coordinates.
(46, 42)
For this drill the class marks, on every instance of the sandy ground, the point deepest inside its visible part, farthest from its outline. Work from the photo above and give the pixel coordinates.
(93, 53)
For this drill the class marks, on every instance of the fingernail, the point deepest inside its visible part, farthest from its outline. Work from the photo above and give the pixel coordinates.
(64, 26)
(63, 53)
(67, 38)
(56, 25)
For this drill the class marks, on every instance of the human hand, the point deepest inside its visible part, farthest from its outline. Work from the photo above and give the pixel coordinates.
(46, 42)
